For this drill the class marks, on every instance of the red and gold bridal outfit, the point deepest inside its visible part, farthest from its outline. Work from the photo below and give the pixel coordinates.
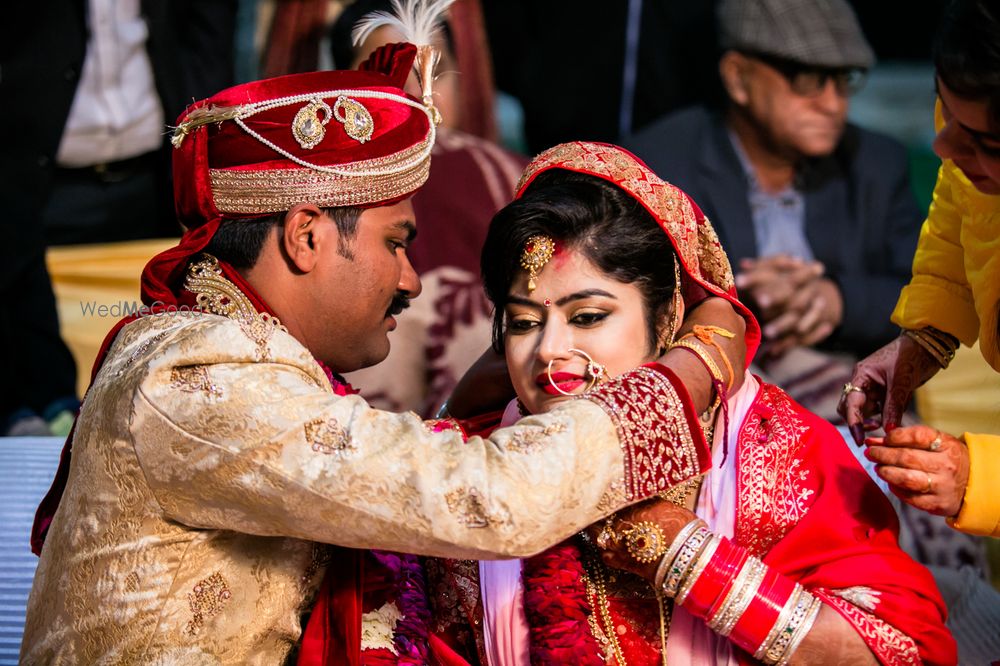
(794, 495)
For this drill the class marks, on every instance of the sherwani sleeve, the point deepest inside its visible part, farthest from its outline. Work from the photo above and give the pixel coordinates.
(266, 448)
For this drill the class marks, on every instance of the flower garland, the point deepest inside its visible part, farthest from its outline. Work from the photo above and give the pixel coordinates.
(410, 635)
(556, 605)
(407, 575)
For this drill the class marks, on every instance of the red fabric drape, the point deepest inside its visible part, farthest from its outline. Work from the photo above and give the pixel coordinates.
(475, 69)
(293, 42)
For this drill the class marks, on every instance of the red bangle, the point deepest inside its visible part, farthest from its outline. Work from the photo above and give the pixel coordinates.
(756, 622)
(714, 582)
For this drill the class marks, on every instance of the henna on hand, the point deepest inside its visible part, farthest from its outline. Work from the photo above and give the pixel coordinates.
(888, 378)
(928, 479)
(669, 517)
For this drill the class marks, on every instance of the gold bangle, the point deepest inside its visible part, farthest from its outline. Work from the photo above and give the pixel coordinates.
(675, 546)
(677, 573)
(801, 606)
(739, 597)
(940, 354)
(699, 566)
(705, 335)
(707, 360)
(802, 630)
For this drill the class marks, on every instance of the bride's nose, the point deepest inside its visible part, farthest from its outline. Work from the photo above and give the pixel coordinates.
(555, 342)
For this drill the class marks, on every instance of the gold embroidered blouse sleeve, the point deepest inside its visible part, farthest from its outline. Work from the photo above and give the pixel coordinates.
(266, 448)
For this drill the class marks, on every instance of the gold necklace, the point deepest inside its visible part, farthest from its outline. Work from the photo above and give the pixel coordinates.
(597, 589)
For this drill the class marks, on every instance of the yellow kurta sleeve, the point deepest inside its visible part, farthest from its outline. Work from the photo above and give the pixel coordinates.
(980, 512)
(939, 294)
(266, 448)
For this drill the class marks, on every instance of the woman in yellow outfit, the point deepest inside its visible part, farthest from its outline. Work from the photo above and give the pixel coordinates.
(954, 295)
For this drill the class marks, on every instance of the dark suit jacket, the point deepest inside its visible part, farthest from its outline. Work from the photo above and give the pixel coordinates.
(42, 48)
(862, 221)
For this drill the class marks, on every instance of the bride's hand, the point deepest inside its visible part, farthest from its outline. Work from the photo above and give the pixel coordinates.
(620, 537)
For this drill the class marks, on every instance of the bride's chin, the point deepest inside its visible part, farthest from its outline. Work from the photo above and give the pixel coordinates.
(548, 403)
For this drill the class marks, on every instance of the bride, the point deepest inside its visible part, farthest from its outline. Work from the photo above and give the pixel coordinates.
(783, 552)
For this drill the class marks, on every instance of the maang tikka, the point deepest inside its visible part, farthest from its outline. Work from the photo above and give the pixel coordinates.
(538, 250)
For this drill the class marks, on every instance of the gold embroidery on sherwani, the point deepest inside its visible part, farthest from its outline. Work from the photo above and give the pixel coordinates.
(207, 598)
(219, 296)
(526, 441)
(140, 351)
(194, 379)
(467, 505)
(327, 436)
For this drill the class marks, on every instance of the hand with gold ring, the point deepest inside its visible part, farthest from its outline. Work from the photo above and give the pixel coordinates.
(882, 385)
(924, 467)
(639, 535)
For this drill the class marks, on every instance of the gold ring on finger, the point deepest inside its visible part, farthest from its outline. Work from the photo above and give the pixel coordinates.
(930, 485)
(850, 388)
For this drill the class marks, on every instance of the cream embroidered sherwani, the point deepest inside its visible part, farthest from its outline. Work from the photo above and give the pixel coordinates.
(212, 459)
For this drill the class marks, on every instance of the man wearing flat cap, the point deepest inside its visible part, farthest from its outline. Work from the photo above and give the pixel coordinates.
(218, 452)
(816, 213)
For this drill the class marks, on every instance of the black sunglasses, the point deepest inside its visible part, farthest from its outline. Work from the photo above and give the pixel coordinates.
(809, 81)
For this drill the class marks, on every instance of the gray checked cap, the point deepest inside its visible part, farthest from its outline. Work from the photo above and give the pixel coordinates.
(822, 33)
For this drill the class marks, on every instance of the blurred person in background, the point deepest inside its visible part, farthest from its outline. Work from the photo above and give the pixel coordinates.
(471, 178)
(87, 90)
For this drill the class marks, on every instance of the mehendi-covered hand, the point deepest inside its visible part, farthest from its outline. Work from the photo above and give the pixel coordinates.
(611, 536)
(925, 468)
(883, 384)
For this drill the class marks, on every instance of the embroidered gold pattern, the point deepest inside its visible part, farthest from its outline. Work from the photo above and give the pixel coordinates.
(525, 440)
(328, 437)
(194, 379)
(695, 239)
(320, 559)
(217, 295)
(357, 121)
(658, 444)
(467, 505)
(276, 190)
(206, 600)
(890, 645)
(131, 582)
(308, 127)
(140, 351)
(773, 493)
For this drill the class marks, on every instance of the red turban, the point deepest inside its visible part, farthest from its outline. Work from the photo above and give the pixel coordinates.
(334, 138)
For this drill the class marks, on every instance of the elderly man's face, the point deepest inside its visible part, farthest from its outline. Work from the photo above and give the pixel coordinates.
(791, 122)
(360, 285)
